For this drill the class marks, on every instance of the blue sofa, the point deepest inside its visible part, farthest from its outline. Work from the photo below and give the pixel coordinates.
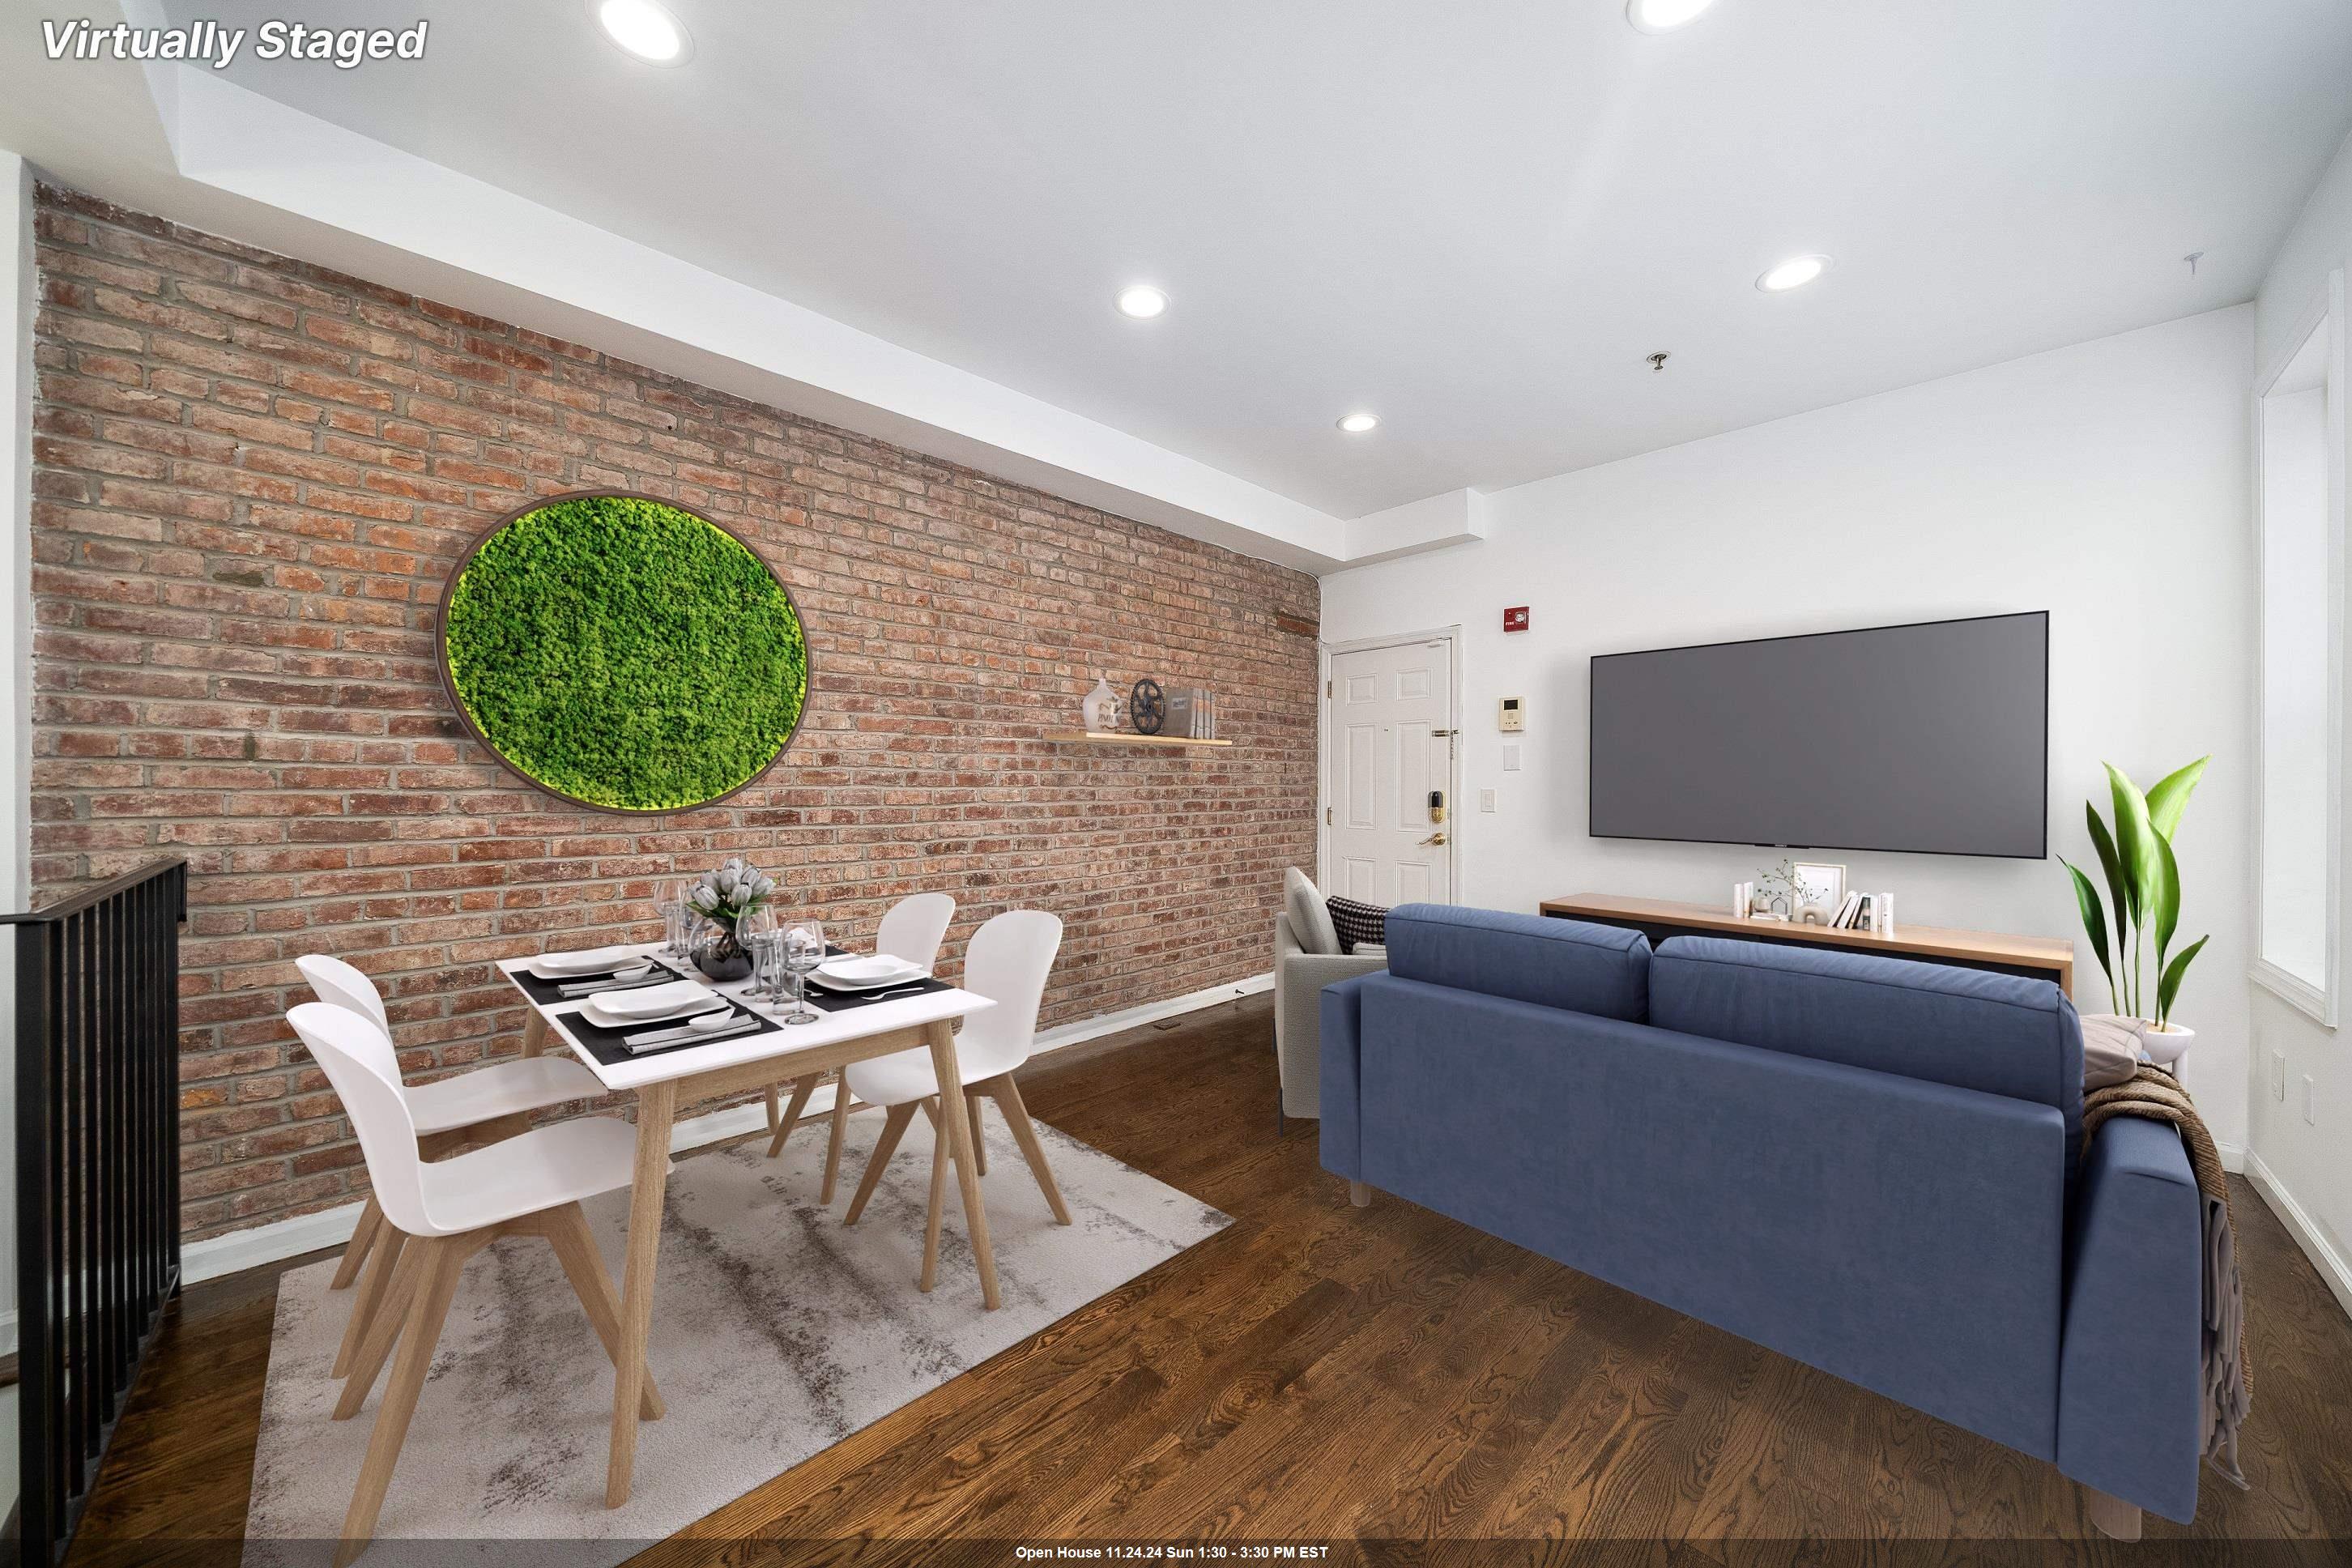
(1867, 1165)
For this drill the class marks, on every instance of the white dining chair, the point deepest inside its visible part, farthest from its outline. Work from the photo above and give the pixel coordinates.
(912, 930)
(482, 1106)
(1007, 962)
(438, 1213)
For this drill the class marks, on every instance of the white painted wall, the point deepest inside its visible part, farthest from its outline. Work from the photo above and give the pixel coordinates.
(2107, 483)
(2306, 1167)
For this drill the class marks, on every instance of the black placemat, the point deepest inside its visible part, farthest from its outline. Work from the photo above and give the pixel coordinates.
(550, 993)
(843, 1001)
(610, 1046)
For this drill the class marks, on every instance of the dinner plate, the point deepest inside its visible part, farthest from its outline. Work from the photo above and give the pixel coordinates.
(869, 973)
(677, 1014)
(844, 988)
(588, 961)
(679, 999)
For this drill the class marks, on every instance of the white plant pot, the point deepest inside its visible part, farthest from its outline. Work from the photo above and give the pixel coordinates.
(2164, 1046)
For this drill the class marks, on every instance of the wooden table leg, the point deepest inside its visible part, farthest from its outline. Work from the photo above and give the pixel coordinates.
(955, 1108)
(840, 1127)
(534, 1034)
(656, 1107)
(790, 1117)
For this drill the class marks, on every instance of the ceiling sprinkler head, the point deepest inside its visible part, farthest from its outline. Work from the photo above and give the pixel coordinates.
(1658, 360)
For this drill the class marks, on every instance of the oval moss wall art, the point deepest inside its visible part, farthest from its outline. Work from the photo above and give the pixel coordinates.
(623, 653)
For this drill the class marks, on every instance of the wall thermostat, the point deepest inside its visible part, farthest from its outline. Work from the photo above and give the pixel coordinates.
(1513, 717)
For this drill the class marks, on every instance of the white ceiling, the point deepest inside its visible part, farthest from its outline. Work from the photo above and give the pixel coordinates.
(1475, 217)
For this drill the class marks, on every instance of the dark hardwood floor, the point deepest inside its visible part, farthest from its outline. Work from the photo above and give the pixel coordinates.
(1375, 1375)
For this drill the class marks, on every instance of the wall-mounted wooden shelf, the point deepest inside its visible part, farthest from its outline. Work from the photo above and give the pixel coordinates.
(1120, 738)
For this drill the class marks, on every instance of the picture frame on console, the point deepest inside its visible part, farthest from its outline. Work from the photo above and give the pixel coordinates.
(1821, 890)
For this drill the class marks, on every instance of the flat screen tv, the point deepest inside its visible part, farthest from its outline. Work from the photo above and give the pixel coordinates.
(1931, 738)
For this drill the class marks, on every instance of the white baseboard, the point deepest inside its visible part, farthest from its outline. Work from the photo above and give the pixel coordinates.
(2233, 1157)
(216, 1256)
(2333, 1267)
(1152, 1012)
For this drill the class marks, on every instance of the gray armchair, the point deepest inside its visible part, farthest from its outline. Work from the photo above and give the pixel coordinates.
(1299, 977)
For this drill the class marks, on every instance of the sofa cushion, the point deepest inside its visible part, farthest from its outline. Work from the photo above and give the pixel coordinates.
(1311, 919)
(2002, 1033)
(1601, 970)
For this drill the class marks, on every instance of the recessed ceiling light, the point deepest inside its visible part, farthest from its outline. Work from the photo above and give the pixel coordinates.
(1664, 15)
(1357, 423)
(1793, 273)
(645, 30)
(1141, 301)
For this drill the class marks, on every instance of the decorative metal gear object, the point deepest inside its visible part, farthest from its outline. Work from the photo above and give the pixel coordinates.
(1148, 706)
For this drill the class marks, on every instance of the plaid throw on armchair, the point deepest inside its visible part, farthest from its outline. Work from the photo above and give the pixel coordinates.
(1358, 923)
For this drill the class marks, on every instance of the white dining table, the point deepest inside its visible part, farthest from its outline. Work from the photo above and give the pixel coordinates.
(661, 1080)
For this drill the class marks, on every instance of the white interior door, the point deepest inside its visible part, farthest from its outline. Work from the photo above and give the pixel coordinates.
(1392, 727)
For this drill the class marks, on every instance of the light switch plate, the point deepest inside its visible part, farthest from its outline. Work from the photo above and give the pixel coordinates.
(1485, 800)
(1510, 757)
(2310, 1101)
(2278, 1077)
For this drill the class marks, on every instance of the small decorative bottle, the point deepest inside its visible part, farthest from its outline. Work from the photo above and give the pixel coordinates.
(1100, 710)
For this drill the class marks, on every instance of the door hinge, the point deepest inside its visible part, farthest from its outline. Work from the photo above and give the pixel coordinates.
(1327, 816)
(1446, 734)
(1326, 689)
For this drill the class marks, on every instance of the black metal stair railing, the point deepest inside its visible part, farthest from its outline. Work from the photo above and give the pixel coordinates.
(98, 1174)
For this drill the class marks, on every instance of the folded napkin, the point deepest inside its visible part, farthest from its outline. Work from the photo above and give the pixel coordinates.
(588, 961)
(875, 969)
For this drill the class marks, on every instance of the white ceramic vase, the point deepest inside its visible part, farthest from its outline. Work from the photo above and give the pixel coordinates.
(2164, 1046)
(1100, 710)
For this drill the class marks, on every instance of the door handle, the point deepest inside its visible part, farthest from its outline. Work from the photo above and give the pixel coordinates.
(1434, 838)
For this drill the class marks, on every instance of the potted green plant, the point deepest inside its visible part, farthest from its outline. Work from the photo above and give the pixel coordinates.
(724, 898)
(2143, 883)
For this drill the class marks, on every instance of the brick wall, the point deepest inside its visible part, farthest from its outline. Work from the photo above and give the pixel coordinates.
(252, 477)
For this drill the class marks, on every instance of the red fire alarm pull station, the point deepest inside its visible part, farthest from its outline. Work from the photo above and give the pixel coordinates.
(1515, 619)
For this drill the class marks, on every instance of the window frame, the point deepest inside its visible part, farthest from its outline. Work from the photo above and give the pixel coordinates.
(2326, 311)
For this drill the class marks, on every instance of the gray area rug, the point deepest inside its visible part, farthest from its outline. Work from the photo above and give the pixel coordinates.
(777, 1333)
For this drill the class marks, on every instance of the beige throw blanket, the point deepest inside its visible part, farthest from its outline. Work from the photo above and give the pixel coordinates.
(2227, 1381)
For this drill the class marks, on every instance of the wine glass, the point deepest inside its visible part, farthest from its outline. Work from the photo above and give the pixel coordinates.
(756, 931)
(803, 950)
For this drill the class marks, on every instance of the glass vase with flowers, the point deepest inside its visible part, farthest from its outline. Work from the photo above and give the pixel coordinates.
(724, 898)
